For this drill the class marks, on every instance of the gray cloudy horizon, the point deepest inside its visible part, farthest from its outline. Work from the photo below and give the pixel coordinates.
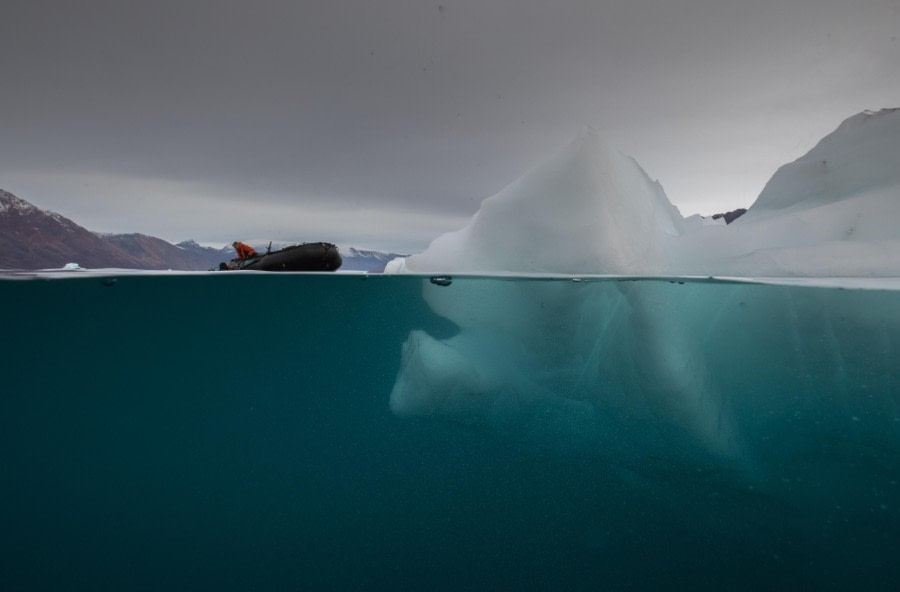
(384, 124)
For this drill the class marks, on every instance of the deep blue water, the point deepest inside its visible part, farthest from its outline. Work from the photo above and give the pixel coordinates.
(233, 432)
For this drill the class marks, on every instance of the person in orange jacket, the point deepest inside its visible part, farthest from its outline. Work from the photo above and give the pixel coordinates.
(244, 251)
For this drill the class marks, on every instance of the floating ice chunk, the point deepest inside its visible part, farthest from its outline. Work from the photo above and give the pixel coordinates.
(592, 210)
(620, 366)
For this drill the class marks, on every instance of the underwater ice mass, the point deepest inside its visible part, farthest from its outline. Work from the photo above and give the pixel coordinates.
(637, 369)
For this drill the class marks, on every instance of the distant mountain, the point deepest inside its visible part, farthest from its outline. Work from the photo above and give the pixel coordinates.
(211, 256)
(155, 253)
(730, 216)
(362, 260)
(32, 238)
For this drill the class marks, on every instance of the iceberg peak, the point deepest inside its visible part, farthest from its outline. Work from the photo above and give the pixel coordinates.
(588, 209)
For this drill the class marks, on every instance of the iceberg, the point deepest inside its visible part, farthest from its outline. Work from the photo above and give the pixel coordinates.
(590, 209)
(624, 365)
(593, 210)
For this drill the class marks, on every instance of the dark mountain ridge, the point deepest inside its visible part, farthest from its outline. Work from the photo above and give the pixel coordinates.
(32, 238)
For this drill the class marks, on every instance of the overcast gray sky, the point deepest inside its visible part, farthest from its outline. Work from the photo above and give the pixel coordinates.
(384, 123)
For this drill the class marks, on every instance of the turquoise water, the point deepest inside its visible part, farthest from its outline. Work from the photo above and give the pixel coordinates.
(234, 432)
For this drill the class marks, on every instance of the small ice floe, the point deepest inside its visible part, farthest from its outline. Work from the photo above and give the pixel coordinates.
(73, 267)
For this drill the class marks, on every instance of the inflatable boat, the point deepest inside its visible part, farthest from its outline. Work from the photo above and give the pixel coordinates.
(305, 257)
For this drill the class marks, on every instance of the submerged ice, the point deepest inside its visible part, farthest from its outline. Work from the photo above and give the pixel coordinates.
(697, 371)
(706, 373)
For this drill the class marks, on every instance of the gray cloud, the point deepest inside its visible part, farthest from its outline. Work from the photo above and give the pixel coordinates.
(169, 117)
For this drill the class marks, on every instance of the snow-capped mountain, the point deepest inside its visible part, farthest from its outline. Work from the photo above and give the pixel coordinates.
(32, 238)
(155, 253)
(365, 260)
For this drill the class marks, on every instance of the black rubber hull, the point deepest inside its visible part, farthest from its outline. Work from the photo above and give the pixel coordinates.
(305, 257)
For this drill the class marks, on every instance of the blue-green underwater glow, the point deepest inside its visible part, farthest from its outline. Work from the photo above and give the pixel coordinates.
(241, 432)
